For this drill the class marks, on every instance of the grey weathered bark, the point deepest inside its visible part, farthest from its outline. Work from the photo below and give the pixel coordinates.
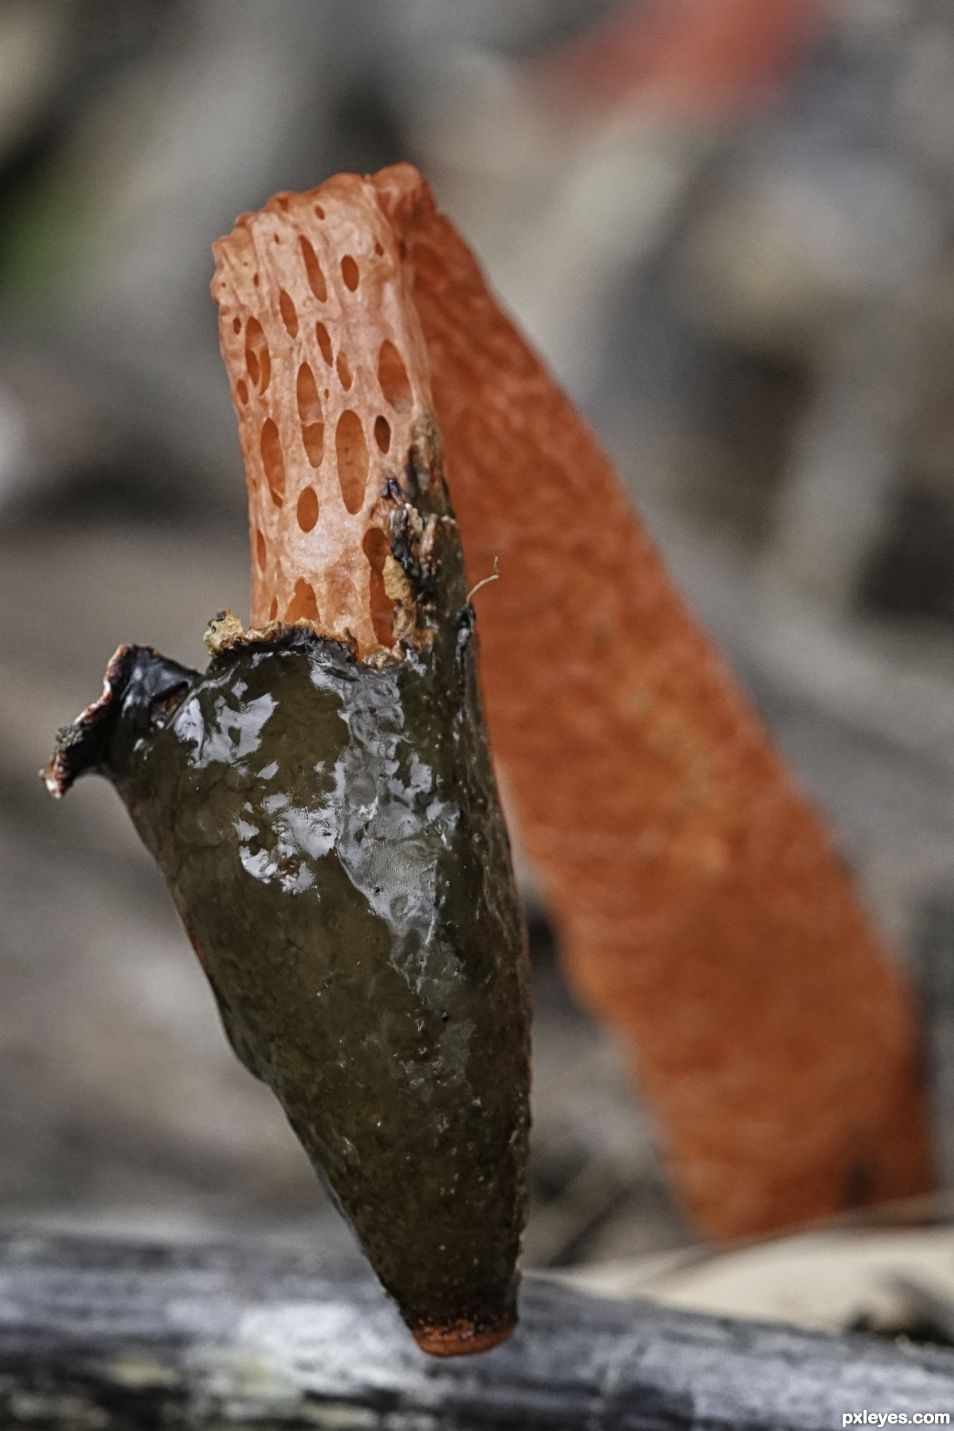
(121, 1336)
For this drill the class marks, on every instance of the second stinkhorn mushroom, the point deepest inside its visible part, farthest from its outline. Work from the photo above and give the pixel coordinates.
(702, 907)
(321, 799)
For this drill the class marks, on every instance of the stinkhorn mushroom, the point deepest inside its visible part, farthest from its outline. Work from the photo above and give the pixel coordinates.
(321, 800)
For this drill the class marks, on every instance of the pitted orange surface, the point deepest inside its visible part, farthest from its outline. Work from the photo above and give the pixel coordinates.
(329, 376)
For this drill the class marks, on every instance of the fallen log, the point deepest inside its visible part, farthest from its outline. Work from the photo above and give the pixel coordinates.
(124, 1335)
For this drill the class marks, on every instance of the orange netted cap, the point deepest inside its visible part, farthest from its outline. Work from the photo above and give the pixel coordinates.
(329, 379)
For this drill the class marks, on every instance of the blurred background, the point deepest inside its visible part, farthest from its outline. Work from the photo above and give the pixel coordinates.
(729, 226)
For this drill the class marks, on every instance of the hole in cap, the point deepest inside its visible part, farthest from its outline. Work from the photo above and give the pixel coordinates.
(307, 509)
(303, 605)
(392, 375)
(273, 460)
(289, 315)
(324, 342)
(313, 270)
(377, 549)
(351, 450)
(257, 358)
(309, 410)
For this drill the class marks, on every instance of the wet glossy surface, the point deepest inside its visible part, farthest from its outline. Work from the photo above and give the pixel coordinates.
(331, 837)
